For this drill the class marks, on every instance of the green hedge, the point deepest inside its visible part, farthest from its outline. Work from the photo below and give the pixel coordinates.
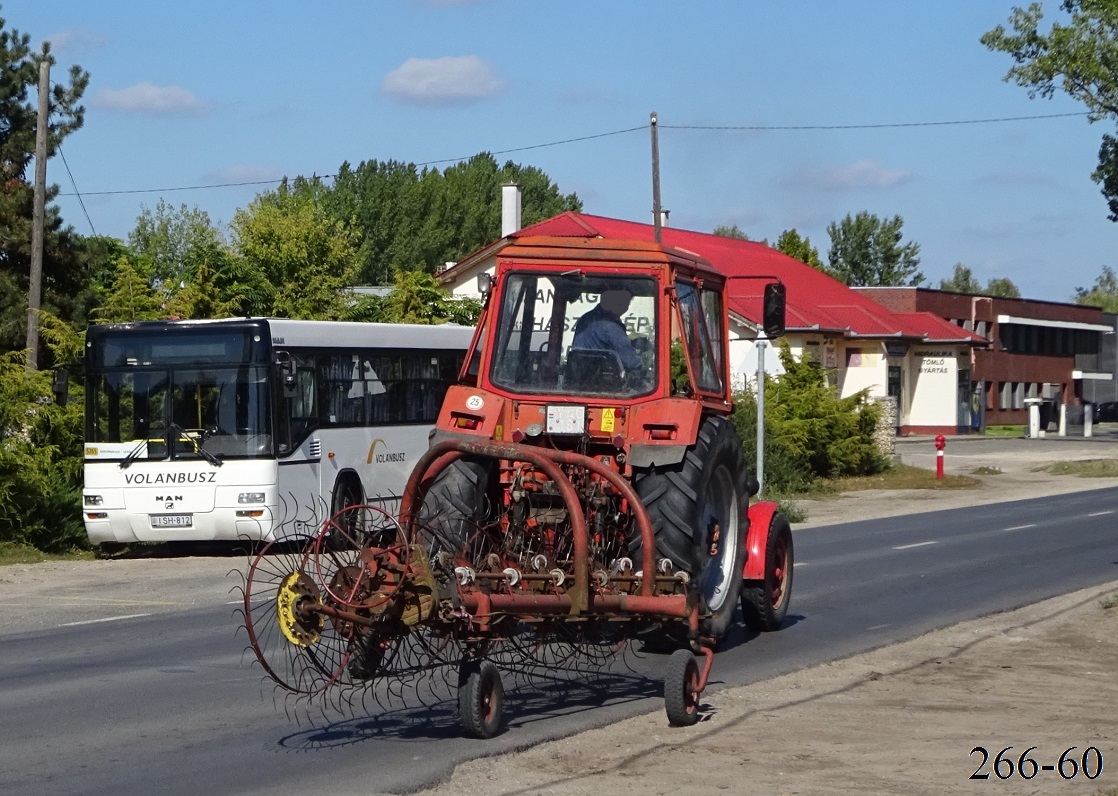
(40, 460)
(810, 432)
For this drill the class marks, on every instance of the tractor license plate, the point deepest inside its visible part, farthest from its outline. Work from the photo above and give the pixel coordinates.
(172, 520)
(566, 419)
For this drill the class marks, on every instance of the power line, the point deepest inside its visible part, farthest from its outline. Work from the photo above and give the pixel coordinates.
(332, 176)
(76, 192)
(562, 142)
(884, 126)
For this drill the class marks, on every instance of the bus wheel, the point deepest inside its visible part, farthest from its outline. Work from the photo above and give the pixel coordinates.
(348, 493)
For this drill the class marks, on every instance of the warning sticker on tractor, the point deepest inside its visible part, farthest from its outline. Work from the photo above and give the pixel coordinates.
(608, 419)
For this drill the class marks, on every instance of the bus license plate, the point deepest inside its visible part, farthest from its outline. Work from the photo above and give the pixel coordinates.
(172, 520)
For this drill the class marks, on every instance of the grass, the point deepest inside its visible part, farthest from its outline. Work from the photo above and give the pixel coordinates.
(1110, 601)
(15, 553)
(1005, 431)
(1087, 468)
(899, 476)
(986, 470)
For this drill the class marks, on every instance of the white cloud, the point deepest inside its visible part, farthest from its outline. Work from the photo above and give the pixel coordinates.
(146, 98)
(441, 80)
(856, 176)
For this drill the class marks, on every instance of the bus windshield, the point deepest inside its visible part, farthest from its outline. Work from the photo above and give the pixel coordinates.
(212, 413)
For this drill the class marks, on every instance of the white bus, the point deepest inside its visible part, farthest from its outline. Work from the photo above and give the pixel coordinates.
(254, 428)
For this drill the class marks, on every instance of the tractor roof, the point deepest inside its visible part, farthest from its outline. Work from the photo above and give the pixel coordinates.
(594, 251)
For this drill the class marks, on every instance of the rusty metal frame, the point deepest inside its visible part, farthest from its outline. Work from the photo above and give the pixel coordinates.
(577, 601)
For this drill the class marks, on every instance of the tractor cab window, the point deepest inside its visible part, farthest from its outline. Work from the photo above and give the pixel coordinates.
(701, 315)
(576, 333)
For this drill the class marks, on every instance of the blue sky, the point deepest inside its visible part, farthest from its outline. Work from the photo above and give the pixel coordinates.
(199, 93)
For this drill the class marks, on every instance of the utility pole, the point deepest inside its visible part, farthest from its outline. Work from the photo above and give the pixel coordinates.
(655, 178)
(759, 344)
(35, 289)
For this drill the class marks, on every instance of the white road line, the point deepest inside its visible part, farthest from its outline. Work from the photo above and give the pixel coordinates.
(917, 544)
(1100, 513)
(877, 627)
(106, 619)
(1020, 527)
(800, 564)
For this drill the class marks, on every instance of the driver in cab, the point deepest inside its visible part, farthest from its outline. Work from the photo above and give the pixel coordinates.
(603, 329)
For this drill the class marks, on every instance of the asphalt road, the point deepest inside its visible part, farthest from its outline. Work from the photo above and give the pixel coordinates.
(169, 702)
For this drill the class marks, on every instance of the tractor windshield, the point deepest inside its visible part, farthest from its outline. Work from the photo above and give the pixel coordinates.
(577, 334)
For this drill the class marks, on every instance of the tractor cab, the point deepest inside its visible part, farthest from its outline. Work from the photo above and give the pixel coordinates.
(591, 342)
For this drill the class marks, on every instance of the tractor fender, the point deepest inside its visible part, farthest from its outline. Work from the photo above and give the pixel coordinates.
(760, 516)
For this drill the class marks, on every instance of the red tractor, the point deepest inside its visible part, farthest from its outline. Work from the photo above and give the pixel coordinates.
(584, 483)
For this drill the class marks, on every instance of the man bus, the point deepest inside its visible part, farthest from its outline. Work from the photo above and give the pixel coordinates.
(254, 428)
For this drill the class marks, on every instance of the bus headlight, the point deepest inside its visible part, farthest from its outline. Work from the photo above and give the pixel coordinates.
(250, 497)
(92, 500)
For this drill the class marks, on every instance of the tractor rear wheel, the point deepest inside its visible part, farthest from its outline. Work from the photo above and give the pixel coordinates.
(764, 603)
(697, 509)
(454, 505)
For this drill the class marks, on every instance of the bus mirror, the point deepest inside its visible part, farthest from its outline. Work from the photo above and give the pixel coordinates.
(61, 386)
(484, 284)
(285, 369)
(773, 310)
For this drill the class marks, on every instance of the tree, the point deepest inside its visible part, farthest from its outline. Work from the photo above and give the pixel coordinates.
(962, 281)
(40, 460)
(810, 432)
(1002, 287)
(129, 297)
(417, 298)
(1078, 57)
(420, 219)
(299, 256)
(793, 245)
(730, 232)
(172, 243)
(19, 79)
(1104, 293)
(866, 251)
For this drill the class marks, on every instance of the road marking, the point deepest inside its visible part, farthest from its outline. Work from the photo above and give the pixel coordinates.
(800, 564)
(1100, 513)
(1020, 527)
(916, 544)
(106, 619)
(877, 627)
(79, 600)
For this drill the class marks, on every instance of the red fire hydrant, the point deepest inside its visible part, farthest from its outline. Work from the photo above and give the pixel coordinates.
(941, 443)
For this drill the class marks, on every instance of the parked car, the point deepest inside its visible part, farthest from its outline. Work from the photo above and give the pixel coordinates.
(1107, 412)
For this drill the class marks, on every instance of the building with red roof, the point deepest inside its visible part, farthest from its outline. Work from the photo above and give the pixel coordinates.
(916, 358)
(1043, 351)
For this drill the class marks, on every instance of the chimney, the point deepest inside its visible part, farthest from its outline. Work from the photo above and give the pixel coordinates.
(664, 217)
(510, 208)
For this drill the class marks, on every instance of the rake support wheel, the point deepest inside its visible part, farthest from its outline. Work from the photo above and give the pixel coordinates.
(681, 689)
(481, 699)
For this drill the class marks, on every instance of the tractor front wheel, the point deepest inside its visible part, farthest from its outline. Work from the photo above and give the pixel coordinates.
(764, 603)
